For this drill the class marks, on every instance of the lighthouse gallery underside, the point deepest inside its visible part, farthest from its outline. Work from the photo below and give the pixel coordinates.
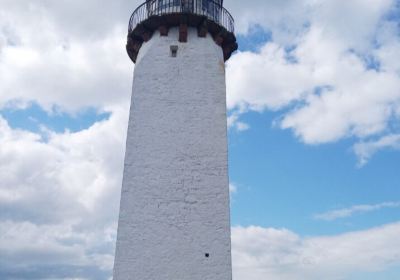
(208, 16)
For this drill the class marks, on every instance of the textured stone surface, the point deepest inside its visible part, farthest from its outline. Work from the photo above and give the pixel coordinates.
(175, 194)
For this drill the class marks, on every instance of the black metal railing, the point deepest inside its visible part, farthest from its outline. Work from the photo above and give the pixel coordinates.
(214, 11)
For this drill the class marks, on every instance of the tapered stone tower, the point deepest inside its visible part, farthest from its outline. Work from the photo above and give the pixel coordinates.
(174, 217)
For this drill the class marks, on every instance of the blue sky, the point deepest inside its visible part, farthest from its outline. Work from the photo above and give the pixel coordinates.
(34, 118)
(313, 100)
(283, 183)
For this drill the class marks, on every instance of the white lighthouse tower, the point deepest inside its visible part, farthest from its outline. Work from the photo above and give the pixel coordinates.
(174, 218)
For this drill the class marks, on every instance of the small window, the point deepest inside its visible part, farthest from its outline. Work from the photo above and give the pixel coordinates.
(174, 51)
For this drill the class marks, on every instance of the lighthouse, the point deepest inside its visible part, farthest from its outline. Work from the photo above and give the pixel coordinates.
(174, 221)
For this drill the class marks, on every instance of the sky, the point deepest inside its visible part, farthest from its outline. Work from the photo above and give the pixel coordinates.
(313, 97)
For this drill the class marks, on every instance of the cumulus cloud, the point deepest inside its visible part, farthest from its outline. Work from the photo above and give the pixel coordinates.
(31, 251)
(59, 200)
(59, 192)
(43, 57)
(337, 78)
(357, 209)
(279, 254)
(265, 80)
(289, 16)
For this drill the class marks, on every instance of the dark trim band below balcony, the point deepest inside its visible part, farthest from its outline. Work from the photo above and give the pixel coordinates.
(208, 16)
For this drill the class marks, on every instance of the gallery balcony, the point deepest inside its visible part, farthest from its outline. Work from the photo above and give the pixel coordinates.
(208, 16)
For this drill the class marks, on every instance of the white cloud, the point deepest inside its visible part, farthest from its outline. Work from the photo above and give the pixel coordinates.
(265, 80)
(61, 251)
(279, 254)
(59, 193)
(56, 59)
(365, 150)
(290, 16)
(234, 123)
(68, 166)
(59, 200)
(341, 80)
(357, 209)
